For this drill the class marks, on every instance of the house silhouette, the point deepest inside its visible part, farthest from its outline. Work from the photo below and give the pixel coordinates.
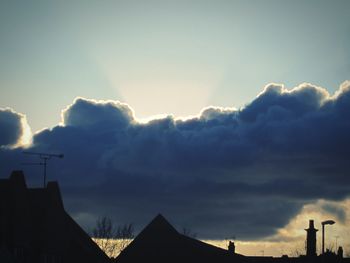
(160, 242)
(34, 227)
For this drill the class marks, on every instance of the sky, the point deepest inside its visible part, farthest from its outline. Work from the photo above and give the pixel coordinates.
(229, 117)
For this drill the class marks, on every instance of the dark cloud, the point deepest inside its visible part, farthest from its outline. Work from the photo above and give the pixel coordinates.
(11, 127)
(336, 210)
(227, 172)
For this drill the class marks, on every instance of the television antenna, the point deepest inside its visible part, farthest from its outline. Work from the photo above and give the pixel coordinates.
(44, 157)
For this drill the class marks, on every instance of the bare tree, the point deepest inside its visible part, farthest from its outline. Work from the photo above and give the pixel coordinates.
(124, 236)
(188, 232)
(111, 239)
(103, 234)
(298, 250)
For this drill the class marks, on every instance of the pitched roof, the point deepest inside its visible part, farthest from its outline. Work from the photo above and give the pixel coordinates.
(160, 242)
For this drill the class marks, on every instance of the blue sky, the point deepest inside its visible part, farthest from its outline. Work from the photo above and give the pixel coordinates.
(172, 57)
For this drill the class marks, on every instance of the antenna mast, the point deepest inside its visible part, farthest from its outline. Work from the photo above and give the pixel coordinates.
(44, 157)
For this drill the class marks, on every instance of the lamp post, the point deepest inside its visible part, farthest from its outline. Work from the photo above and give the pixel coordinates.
(327, 222)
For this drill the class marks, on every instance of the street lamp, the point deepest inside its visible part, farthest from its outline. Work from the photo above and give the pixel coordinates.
(327, 222)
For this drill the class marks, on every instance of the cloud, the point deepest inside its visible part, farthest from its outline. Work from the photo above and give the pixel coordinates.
(90, 113)
(336, 210)
(12, 127)
(243, 172)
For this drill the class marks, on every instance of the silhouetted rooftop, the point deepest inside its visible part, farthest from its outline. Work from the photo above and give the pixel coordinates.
(160, 242)
(34, 225)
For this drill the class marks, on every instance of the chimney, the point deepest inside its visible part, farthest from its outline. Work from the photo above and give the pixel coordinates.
(17, 179)
(231, 247)
(311, 240)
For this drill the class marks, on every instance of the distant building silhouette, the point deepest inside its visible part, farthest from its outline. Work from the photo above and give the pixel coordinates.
(34, 227)
(311, 240)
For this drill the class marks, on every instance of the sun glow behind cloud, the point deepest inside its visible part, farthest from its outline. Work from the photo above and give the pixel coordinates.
(156, 88)
(80, 47)
(27, 136)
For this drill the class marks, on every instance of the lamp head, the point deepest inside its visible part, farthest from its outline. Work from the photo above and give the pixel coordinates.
(328, 222)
